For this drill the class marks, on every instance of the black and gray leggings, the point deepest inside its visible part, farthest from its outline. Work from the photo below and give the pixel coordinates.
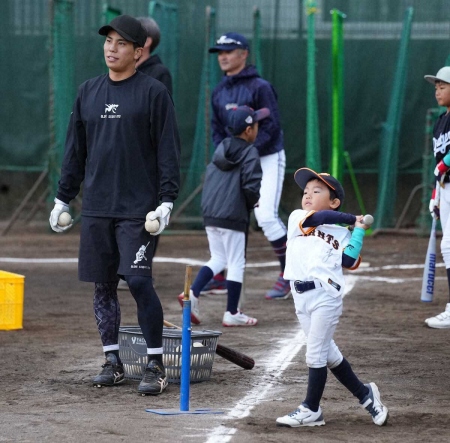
(149, 311)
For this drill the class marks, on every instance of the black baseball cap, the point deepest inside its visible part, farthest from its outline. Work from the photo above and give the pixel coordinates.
(303, 175)
(242, 116)
(229, 42)
(128, 27)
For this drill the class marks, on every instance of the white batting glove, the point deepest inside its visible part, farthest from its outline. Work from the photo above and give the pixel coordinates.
(433, 207)
(60, 207)
(162, 213)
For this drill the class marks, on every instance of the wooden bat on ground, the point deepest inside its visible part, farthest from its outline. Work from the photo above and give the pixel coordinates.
(242, 360)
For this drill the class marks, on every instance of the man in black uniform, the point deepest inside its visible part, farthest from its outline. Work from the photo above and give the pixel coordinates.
(123, 143)
(150, 63)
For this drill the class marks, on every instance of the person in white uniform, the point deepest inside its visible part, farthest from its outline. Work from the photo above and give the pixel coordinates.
(440, 207)
(317, 250)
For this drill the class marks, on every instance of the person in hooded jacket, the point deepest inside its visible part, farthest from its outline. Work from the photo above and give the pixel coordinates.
(242, 85)
(230, 191)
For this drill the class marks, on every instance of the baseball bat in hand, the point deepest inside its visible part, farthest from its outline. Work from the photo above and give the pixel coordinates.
(242, 360)
(429, 271)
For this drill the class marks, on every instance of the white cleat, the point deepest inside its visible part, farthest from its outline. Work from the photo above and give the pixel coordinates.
(441, 321)
(372, 404)
(238, 319)
(302, 417)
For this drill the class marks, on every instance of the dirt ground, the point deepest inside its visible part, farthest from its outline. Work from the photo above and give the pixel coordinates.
(46, 368)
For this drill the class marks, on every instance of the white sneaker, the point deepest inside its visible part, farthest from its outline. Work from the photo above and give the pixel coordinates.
(441, 321)
(238, 319)
(195, 306)
(302, 417)
(372, 403)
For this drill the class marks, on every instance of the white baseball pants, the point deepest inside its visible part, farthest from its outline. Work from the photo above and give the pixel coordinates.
(227, 248)
(273, 167)
(318, 314)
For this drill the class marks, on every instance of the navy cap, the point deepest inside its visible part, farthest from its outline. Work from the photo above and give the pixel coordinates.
(303, 175)
(127, 27)
(230, 41)
(242, 116)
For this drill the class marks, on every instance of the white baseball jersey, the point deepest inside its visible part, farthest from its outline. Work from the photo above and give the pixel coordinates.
(316, 253)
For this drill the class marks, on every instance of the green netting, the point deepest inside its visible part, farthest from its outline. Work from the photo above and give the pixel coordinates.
(201, 156)
(166, 15)
(203, 146)
(62, 84)
(389, 149)
(372, 35)
(110, 13)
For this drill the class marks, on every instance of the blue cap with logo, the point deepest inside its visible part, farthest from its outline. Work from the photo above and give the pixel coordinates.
(229, 42)
(239, 118)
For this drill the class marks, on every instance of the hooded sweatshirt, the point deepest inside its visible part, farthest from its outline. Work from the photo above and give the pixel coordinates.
(232, 184)
(247, 88)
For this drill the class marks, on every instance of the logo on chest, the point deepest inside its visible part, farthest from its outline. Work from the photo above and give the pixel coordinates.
(325, 237)
(229, 106)
(110, 111)
(441, 144)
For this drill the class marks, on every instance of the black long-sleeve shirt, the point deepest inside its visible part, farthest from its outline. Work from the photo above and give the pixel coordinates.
(123, 142)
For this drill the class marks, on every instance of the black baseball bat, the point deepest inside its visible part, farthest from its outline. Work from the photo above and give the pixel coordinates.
(236, 357)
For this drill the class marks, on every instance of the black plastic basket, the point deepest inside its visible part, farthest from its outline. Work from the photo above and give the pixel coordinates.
(133, 353)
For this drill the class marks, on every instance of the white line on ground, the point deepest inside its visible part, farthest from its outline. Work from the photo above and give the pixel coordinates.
(182, 260)
(364, 267)
(390, 267)
(38, 260)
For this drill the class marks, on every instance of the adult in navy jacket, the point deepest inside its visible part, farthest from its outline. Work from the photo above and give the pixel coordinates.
(242, 85)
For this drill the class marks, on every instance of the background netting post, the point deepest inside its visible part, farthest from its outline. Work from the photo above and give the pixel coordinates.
(110, 13)
(62, 84)
(337, 63)
(388, 164)
(256, 43)
(313, 155)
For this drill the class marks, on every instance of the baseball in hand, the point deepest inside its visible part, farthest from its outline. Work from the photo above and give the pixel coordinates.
(367, 220)
(64, 219)
(151, 225)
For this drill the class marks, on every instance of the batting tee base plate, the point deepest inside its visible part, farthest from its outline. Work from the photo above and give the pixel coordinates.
(178, 412)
